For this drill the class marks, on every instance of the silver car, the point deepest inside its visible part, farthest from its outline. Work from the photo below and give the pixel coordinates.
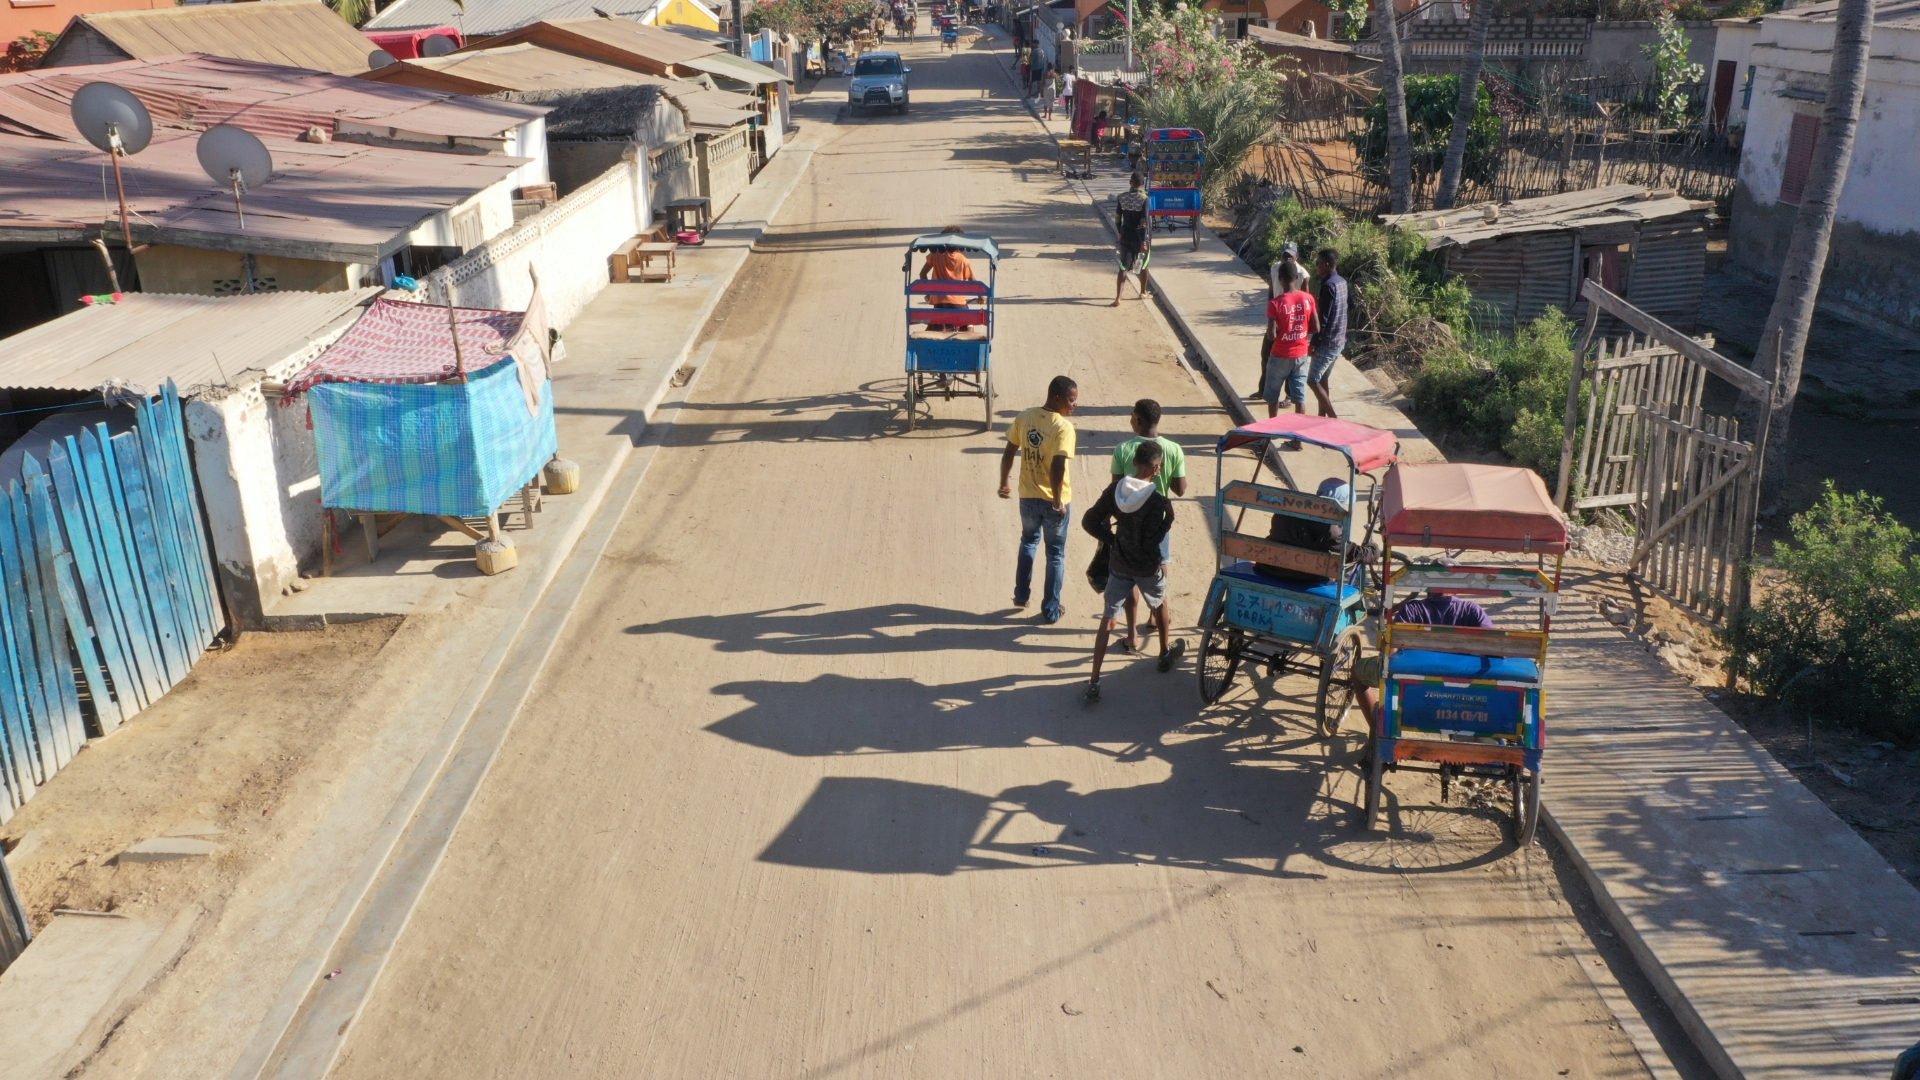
(879, 80)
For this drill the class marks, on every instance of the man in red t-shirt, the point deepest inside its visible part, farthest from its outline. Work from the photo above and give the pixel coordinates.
(1292, 319)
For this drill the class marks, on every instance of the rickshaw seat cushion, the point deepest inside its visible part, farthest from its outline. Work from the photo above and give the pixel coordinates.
(1446, 665)
(1243, 570)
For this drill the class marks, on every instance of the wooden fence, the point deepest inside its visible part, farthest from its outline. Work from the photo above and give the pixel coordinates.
(106, 590)
(1647, 446)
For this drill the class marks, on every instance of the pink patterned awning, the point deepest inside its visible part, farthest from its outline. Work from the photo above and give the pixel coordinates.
(400, 342)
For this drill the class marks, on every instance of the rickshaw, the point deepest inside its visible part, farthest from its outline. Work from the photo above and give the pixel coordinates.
(950, 349)
(1250, 618)
(1175, 157)
(1465, 701)
(949, 32)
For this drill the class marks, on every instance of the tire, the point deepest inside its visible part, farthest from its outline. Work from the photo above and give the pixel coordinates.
(1335, 698)
(905, 105)
(1526, 808)
(986, 391)
(913, 384)
(1219, 659)
(1370, 809)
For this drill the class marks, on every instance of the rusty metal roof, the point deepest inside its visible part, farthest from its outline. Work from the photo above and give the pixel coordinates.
(1612, 205)
(622, 37)
(194, 92)
(148, 338)
(333, 202)
(521, 67)
(295, 33)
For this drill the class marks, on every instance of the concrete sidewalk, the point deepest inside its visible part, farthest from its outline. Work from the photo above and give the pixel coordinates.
(1783, 943)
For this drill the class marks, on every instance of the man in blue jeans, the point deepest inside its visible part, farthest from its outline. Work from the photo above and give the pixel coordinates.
(1043, 439)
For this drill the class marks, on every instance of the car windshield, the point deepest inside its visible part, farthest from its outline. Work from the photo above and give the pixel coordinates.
(877, 65)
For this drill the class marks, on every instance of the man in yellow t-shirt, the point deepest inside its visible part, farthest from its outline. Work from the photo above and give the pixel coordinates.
(1043, 439)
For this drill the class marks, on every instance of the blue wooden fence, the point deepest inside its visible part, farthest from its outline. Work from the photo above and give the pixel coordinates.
(107, 593)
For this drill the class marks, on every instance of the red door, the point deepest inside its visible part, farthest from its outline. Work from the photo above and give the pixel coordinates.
(1725, 72)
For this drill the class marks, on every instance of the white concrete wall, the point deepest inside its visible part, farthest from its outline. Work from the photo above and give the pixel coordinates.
(1794, 57)
(495, 205)
(259, 473)
(567, 243)
(1734, 40)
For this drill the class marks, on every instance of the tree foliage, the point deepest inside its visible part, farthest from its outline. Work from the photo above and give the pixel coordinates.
(1674, 77)
(811, 20)
(1504, 393)
(1431, 100)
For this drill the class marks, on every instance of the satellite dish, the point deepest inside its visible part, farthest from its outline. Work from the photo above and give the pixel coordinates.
(437, 45)
(380, 58)
(111, 118)
(234, 157)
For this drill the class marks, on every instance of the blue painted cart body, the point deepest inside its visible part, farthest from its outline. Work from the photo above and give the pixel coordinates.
(1175, 169)
(950, 345)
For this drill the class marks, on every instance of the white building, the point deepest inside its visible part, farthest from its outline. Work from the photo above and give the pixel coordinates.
(1873, 273)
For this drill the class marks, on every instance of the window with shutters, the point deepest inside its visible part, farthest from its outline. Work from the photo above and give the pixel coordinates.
(1793, 177)
(466, 229)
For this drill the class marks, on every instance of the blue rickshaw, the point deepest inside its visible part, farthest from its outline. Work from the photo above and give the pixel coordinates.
(950, 347)
(1252, 618)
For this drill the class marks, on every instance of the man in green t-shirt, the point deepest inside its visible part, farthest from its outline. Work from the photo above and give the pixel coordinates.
(1042, 439)
(1172, 478)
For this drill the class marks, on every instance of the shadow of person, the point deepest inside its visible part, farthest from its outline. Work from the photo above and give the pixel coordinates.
(808, 630)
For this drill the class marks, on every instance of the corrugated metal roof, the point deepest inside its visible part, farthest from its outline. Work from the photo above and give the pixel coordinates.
(336, 202)
(530, 67)
(483, 18)
(648, 43)
(1612, 205)
(194, 92)
(148, 338)
(729, 66)
(295, 33)
(1901, 13)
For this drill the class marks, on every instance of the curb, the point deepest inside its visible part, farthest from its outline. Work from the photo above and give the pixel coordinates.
(302, 1036)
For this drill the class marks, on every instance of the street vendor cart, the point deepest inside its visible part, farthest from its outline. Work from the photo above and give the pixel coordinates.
(1462, 700)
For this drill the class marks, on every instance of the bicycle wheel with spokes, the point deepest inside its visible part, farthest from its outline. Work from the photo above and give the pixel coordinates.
(1219, 659)
(1335, 698)
(1526, 807)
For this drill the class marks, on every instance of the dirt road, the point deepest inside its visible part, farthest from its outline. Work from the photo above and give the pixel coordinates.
(803, 796)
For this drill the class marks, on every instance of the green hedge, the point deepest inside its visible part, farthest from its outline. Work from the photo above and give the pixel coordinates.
(1841, 622)
(1504, 393)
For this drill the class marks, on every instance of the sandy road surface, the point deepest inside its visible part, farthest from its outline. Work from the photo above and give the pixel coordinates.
(775, 811)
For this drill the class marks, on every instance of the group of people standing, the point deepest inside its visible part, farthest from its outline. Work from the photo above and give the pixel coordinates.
(1132, 520)
(1306, 333)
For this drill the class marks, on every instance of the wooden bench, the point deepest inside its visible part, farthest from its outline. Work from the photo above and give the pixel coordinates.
(633, 261)
(1076, 151)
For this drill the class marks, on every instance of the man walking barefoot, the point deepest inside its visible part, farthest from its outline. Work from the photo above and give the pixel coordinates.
(1132, 518)
(1136, 245)
(1043, 440)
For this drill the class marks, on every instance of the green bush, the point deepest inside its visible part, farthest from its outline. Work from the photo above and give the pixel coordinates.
(1504, 393)
(1393, 280)
(1845, 611)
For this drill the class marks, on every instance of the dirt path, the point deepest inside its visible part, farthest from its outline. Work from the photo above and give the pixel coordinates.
(803, 796)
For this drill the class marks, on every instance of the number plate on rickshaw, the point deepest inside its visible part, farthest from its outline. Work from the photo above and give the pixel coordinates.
(1476, 709)
(1294, 620)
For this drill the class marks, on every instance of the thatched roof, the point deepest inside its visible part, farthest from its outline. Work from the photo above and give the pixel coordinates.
(614, 112)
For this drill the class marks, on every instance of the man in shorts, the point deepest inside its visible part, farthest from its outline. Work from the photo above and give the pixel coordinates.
(1131, 518)
(1331, 337)
(1172, 480)
(1136, 243)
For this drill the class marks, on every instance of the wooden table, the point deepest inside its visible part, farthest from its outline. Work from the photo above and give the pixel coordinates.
(1076, 150)
(632, 260)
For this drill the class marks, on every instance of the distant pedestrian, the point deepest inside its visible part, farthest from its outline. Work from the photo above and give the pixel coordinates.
(1131, 518)
(1043, 439)
(1331, 335)
(1290, 324)
(1136, 244)
(1049, 92)
(1171, 480)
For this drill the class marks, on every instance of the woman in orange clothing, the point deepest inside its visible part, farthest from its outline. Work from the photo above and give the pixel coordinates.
(948, 264)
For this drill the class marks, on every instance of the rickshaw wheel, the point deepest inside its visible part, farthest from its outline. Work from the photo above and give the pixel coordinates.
(1219, 659)
(912, 380)
(1526, 807)
(1335, 699)
(1370, 811)
(986, 391)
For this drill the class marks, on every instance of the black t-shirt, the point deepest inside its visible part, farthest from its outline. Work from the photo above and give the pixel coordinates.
(1324, 536)
(1130, 217)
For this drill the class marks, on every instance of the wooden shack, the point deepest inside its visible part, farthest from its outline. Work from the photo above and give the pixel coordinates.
(1648, 245)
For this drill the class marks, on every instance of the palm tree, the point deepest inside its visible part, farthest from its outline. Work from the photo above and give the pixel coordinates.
(1399, 149)
(1469, 105)
(1792, 314)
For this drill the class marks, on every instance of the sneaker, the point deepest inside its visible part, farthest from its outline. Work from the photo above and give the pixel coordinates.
(1172, 655)
(1092, 693)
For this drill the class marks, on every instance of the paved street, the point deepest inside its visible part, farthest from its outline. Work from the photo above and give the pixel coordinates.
(801, 795)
